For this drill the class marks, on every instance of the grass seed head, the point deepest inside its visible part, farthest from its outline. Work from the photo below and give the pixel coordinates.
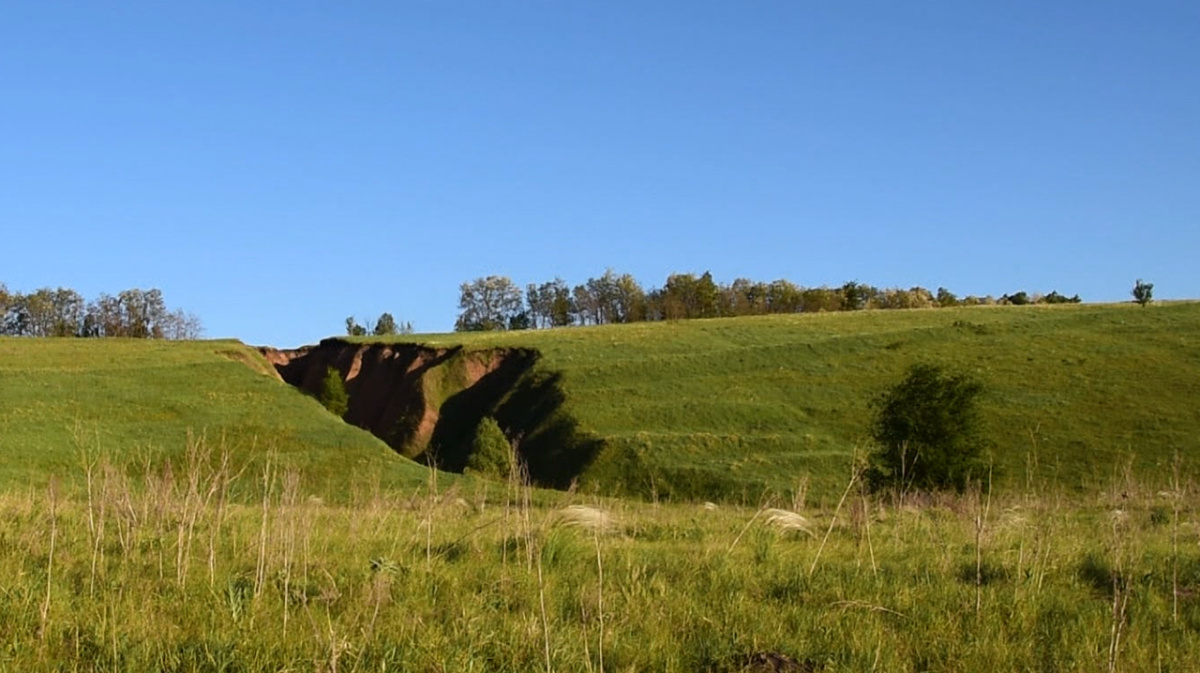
(786, 521)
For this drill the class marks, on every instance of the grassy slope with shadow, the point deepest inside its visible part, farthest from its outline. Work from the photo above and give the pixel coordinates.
(714, 409)
(729, 408)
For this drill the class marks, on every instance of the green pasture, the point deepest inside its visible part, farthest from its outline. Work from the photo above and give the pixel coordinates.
(126, 543)
(64, 402)
(162, 576)
(726, 409)
(730, 407)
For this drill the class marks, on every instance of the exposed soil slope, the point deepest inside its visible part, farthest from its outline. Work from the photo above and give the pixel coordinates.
(427, 402)
(385, 384)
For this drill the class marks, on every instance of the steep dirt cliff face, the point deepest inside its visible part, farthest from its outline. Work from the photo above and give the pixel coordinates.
(396, 391)
(427, 403)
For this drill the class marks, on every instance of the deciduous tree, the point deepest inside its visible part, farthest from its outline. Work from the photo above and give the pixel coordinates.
(855, 296)
(488, 304)
(945, 298)
(561, 306)
(1143, 293)
(927, 430)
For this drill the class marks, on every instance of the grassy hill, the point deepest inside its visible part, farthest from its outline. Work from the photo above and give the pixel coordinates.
(729, 407)
(147, 574)
(138, 400)
(708, 409)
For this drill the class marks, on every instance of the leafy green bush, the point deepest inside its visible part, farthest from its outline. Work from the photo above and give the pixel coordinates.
(926, 428)
(491, 454)
(333, 393)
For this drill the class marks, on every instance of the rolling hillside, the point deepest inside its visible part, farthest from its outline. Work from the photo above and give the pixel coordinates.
(728, 407)
(64, 400)
(706, 409)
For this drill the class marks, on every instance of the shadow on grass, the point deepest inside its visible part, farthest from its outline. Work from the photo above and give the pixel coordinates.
(528, 406)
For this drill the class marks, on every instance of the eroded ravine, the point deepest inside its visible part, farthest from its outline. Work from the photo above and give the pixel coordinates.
(426, 402)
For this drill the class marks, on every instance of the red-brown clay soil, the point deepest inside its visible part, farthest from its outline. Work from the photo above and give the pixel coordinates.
(385, 383)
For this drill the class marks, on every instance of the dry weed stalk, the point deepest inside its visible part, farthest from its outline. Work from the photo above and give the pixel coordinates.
(430, 503)
(982, 508)
(202, 485)
(600, 596)
(745, 528)
(220, 489)
(526, 505)
(95, 527)
(1121, 585)
(762, 507)
(860, 521)
(863, 605)
(800, 495)
(855, 471)
(1176, 502)
(52, 493)
(287, 501)
(268, 485)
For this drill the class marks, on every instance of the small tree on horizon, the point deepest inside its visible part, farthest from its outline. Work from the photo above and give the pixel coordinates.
(1016, 299)
(1143, 293)
(353, 328)
(386, 325)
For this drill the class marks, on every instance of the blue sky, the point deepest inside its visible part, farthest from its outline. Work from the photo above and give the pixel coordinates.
(276, 167)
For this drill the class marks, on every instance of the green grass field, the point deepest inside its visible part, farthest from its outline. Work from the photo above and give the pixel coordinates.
(727, 408)
(159, 576)
(126, 543)
(65, 401)
(708, 409)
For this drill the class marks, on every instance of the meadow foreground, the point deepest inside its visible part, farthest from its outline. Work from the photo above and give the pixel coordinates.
(193, 567)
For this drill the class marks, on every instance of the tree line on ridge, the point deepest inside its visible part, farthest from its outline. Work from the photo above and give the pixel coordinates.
(63, 312)
(497, 303)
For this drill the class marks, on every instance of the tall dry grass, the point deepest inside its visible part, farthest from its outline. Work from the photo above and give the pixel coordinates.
(201, 566)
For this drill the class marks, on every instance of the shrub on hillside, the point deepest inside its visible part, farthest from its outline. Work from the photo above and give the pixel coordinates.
(491, 454)
(926, 429)
(333, 393)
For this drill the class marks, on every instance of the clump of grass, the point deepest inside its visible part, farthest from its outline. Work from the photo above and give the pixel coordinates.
(787, 521)
(591, 519)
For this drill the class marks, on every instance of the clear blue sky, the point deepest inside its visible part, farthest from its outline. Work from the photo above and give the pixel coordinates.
(277, 166)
